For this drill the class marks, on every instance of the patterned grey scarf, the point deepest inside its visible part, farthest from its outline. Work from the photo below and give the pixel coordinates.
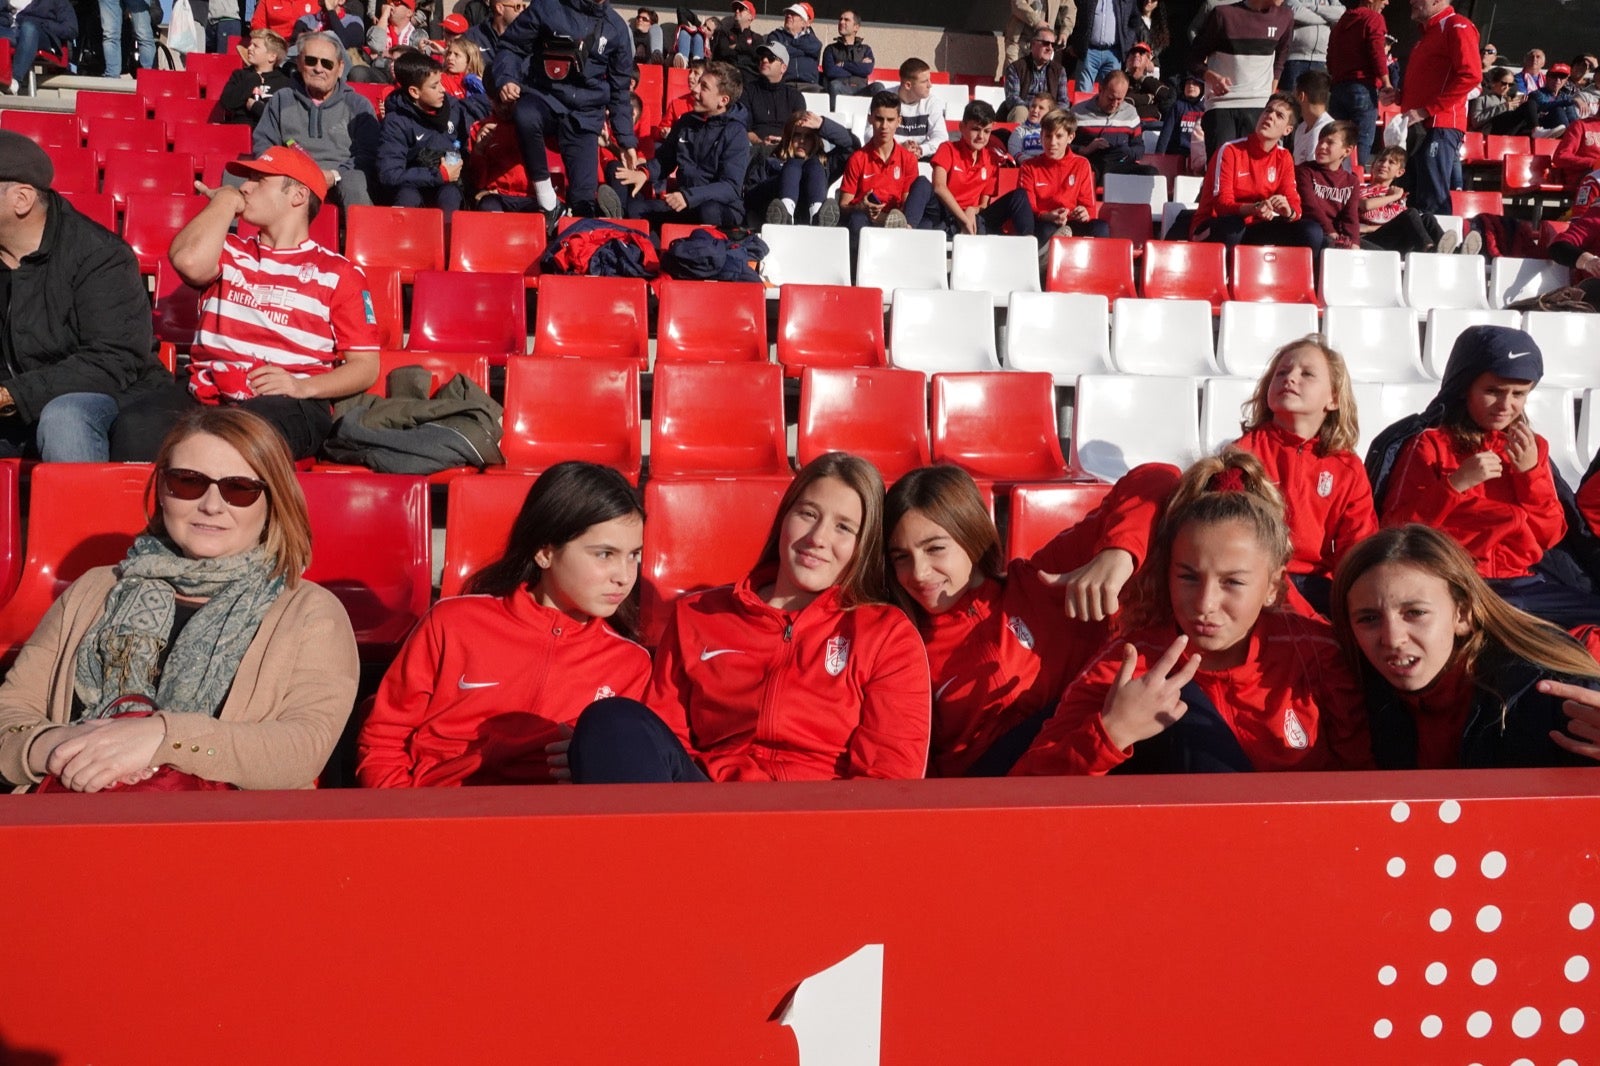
(120, 652)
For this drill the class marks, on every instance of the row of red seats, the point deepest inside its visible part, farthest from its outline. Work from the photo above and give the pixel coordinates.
(371, 535)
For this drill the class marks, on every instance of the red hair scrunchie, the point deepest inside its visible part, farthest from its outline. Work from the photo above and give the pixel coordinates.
(1229, 480)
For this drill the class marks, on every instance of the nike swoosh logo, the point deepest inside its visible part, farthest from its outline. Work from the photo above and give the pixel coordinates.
(465, 684)
(942, 687)
(421, 135)
(1518, 355)
(709, 654)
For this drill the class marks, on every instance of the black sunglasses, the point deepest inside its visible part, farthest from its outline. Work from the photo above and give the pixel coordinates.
(183, 484)
(318, 61)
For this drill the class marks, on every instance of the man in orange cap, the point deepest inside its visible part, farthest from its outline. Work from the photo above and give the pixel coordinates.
(286, 326)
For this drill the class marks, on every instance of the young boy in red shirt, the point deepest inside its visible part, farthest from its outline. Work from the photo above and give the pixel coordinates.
(679, 106)
(1249, 196)
(966, 179)
(1388, 224)
(1330, 194)
(881, 186)
(1059, 184)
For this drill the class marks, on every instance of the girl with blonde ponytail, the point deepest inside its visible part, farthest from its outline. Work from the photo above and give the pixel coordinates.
(1209, 677)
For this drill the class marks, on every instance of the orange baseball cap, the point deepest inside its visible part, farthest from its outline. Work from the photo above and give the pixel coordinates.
(287, 160)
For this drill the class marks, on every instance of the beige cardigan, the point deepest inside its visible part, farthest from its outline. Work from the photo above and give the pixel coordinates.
(289, 701)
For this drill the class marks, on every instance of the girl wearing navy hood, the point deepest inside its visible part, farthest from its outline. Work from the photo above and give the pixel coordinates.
(1471, 466)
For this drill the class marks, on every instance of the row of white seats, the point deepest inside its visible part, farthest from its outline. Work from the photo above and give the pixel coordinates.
(1120, 421)
(1069, 334)
(1001, 265)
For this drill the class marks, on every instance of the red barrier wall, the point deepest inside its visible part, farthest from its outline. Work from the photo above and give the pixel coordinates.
(1223, 920)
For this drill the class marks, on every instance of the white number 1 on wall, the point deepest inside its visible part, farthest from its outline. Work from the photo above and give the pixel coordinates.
(837, 1013)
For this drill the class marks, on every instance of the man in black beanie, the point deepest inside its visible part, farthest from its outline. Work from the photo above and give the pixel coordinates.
(75, 326)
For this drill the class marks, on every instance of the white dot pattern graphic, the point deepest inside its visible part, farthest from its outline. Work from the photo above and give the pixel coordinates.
(1576, 969)
(1488, 918)
(1439, 920)
(1478, 1024)
(1432, 1026)
(1396, 867)
(1382, 1028)
(1449, 811)
(1387, 975)
(1525, 1023)
(1493, 865)
(1444, 865)
(1571, 1020)
(1484, 971)
(1436, 973)
(1582, 916)
(1400, 811)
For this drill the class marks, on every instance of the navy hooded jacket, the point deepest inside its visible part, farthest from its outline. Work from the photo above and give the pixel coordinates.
(411, 144)
(709, 154)
(601, 79)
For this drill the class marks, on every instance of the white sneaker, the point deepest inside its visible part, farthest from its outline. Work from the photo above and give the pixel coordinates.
(1447, 242)
(1472, 244)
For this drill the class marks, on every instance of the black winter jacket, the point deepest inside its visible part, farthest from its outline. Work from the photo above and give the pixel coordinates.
(77, 317)
(766, 107)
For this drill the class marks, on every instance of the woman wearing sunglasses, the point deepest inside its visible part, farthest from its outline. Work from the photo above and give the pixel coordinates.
(202, 658)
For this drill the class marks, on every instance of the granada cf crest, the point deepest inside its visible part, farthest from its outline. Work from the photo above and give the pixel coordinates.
(838, 654)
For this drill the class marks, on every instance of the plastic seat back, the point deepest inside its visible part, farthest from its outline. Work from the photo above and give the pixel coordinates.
(1122, 420)
(829, 326)
(47, 129)
(880, 415)
(106, 136)
(93, 205)
(560, 409)
(1568, 341)
(1102, 266)
(372, 538)
(1221, 410)
(387, 306)
(1522, 174)
(1352, 278)
(212, 137)
(808, 255)
(11, 546)
(702, 532)
(1270, 274)
(717, 420)
(497, 242)
(1445, 281)
(935, 331)
(1180, 270)
(711, 322)
(151, 220)
(80, 516)
(1446, 324)
(477, 524)
(1379, 344)
(1252, 332)
(997, 426)
(152, 86)
(135, 173)
(1186, 189)
(1169, 337)
(1130, 222)
(1148, 189)
(1472, 203)
(212, 70)
(177, 307)
(1512, 279)
(1058, 333)
(1589, 424)
(441, 367)
(410, 238)
(1553, 414)
(590, 317)
(888, 259)
(994, 264)
(456, 312)
(1379, 406)
(97, 105)
(1040, 512)
(76, 170)
(185, 113)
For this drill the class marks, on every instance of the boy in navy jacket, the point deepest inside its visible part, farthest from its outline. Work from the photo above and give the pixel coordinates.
(419, 145)
(697, 175)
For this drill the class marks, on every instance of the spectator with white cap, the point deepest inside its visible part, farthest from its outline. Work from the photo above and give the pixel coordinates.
(805, 50)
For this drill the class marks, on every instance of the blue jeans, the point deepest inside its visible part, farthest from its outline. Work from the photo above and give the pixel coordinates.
(1096, 64)
(1433, 169)
(218, 32)
(691, 45)
(75, 427)
(1354, 102)
(111, 30)
(1292, 71)
(26, 39)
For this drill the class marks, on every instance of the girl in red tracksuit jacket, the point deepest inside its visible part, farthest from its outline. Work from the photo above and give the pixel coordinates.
(1003, 642)
(1302, 426)
(800, 672)
(487, 687)
(1471, 466)
(1211, 679)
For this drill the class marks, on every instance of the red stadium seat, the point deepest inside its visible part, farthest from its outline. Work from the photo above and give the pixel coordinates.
(410, 238)
(496, 241)
(387, 305)
(1267, 274)
(373, 537)
(152, 86)
(651, 88)
(718, 420)
(1168, 166)
(1181, 270)
(1497, 147)
(880, 415)
(95, 105)
(47, 129)
(96, 205)
(441, 367)
(1099, 266)
(566, 222)
(606, 317)
(118, 135)
(701, 533)
(477, 523)
(213, 71)
(374, 92)
(830, 326)
(1039, 512)
(998, 427)
(1525, 175)
(11, 548)
(80, 516)
(1128, 221)
(560, 409)
(180, 113)
(211, 138)
(77, 170)
(1474, 151)
(147, 173)
(177, 307)
(712, 321)
(452, 311)
(1471, 204)
(677, 83)
(151, 220)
